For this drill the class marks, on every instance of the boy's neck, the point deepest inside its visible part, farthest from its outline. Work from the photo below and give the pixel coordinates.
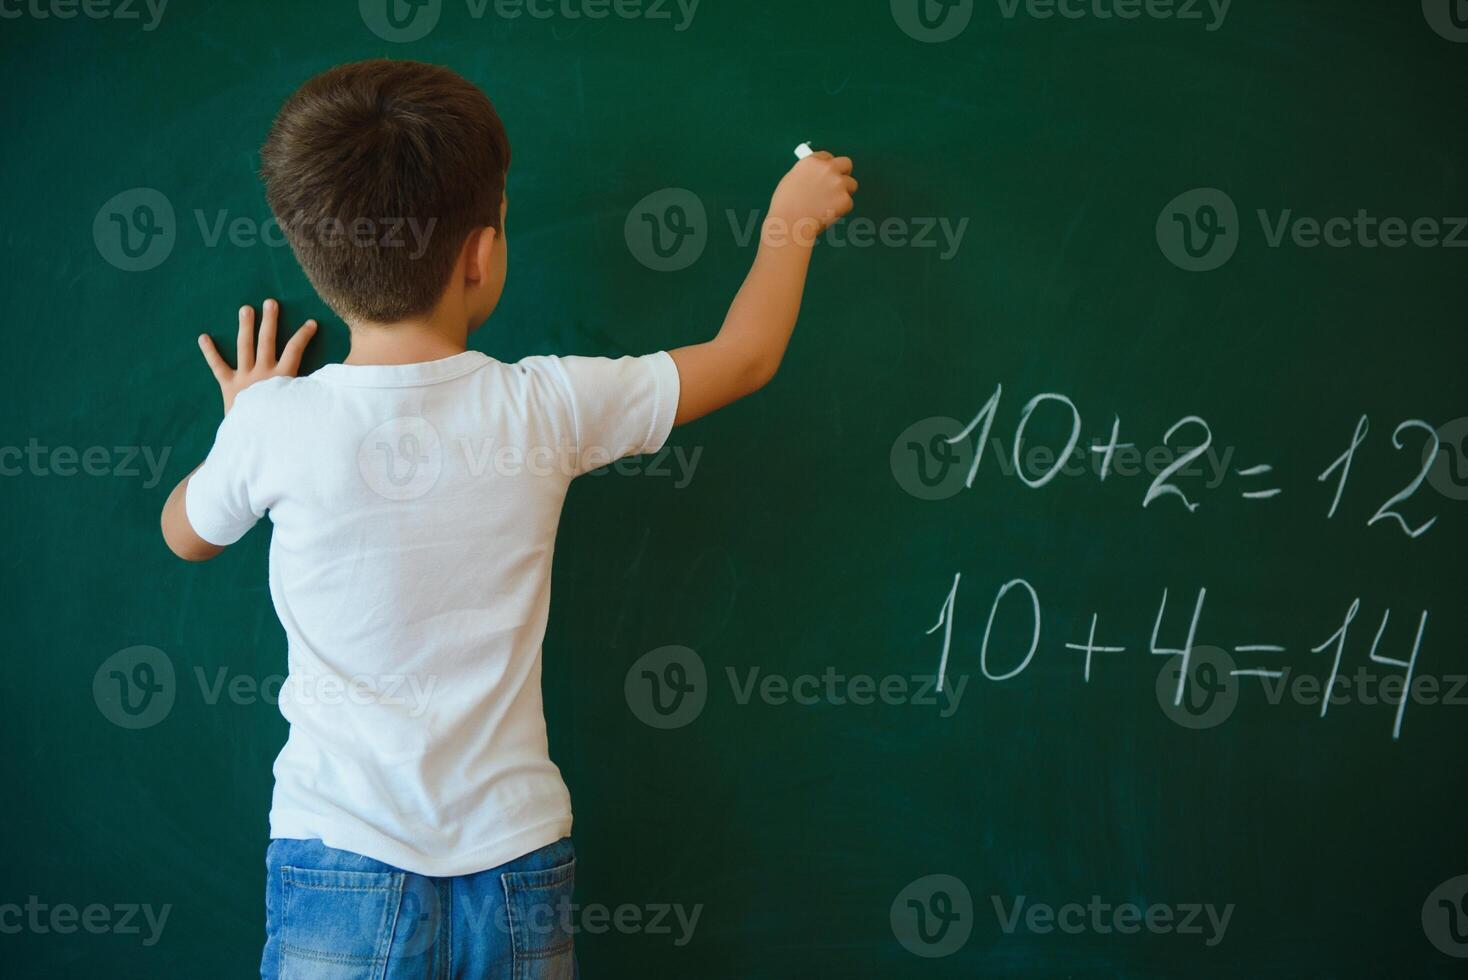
(408, 342)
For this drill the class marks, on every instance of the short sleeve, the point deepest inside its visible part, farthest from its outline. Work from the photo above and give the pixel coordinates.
(218, 501)
(619, 406)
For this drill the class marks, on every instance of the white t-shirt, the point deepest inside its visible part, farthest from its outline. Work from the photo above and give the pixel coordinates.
(415, 510)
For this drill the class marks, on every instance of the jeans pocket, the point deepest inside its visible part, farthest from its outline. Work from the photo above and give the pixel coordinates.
(336, 925)
(538, 907)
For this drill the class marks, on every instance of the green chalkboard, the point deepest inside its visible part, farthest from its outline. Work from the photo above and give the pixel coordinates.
(1221, 231)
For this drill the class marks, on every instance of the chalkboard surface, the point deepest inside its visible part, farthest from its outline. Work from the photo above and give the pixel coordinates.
(1198, 243)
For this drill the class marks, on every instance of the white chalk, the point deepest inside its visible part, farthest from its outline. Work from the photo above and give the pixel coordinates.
(803, 150)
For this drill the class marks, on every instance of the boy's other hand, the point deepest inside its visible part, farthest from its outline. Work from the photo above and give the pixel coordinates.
(256, 362)
(813, 196)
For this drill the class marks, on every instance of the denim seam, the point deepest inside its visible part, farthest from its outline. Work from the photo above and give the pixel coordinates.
(285, 873)
(445, 929)
(546, 954)
(515, 956)
(313, 954)
(390, 916)
(561, 874)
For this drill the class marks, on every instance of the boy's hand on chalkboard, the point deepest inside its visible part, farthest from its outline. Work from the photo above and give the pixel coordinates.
(751, 344)
(256, 362)
(812, 196)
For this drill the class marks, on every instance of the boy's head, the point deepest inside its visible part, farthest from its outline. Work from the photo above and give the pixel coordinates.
(388, 178)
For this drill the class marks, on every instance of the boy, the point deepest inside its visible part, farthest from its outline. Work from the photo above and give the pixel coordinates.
(427, 836)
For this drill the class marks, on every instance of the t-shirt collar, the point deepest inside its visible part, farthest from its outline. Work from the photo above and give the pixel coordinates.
(403, 375)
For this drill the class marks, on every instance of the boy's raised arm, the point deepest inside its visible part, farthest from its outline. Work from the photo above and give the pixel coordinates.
(255, 362)
(178, 534)
(750, 345)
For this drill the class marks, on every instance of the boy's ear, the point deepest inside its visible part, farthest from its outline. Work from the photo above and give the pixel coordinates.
(479, 254)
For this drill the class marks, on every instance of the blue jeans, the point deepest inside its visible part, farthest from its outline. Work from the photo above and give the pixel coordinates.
(335, 915)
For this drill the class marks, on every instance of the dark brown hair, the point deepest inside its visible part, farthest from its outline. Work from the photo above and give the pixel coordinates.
(377, 171)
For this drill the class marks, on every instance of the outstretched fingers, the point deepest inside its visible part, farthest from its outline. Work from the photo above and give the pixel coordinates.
(290, 358)
(265, 348)
(217, 364)
(245, 341)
